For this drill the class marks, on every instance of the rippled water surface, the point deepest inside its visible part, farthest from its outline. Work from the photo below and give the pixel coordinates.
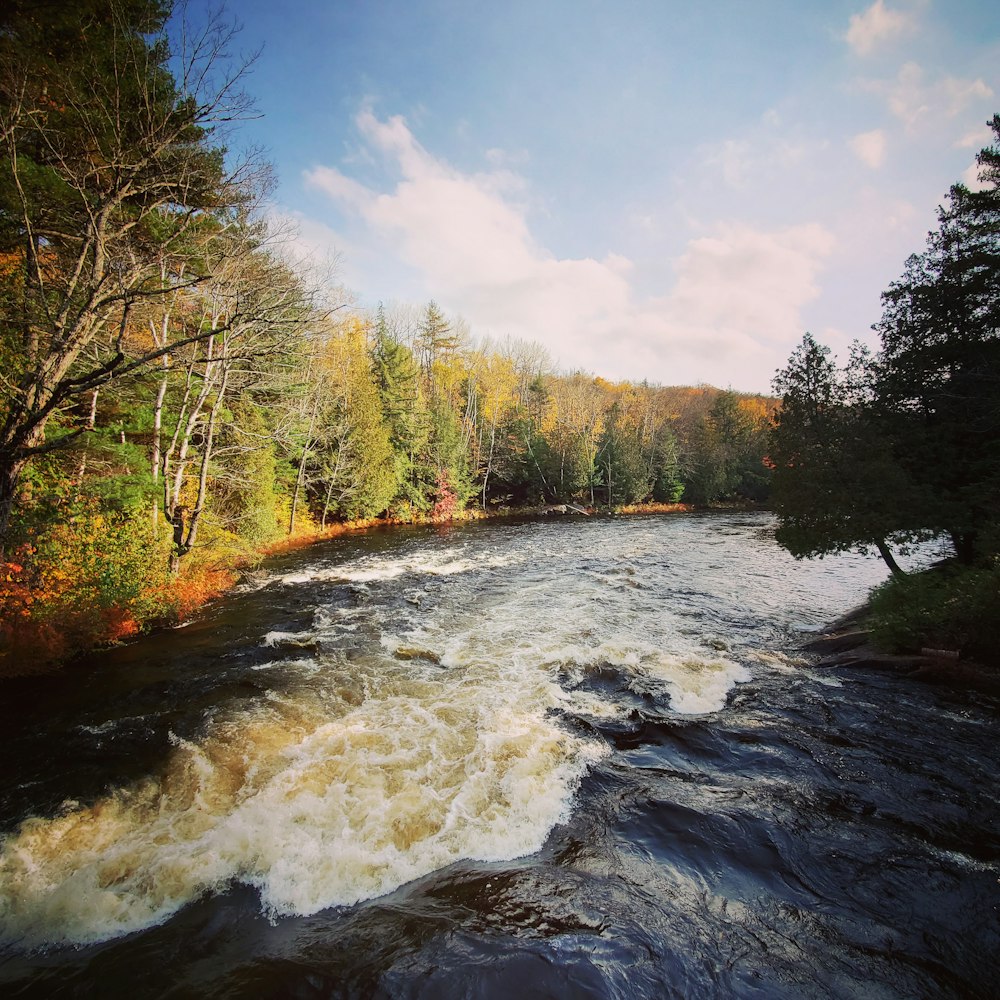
(574, 758)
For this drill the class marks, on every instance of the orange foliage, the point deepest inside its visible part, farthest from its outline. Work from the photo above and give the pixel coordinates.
(40, 622)
(653, 508)
(758, 407)
(447, 502)
(186, 594)
(297, 541)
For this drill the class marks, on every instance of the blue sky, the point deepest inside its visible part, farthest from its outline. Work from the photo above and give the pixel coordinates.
(662, 190)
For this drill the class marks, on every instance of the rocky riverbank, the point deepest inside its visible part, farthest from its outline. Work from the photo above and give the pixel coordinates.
(848, 643)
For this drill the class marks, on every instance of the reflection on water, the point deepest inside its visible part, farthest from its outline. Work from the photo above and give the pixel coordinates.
(572, 754)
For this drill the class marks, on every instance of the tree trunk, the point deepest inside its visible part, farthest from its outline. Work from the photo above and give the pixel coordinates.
(206, 457)
(10, 477)
(300, 478)
(326, 505)
(489, 461)
(161, 393)
(965, 546)
(91, 424)
(887, 556)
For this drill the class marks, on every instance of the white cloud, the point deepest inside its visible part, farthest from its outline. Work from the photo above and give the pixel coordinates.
(875, 26)
(732, 298)
(970, 178)
(975, 138)
(869, 147)
(746, 287)
(918, 102)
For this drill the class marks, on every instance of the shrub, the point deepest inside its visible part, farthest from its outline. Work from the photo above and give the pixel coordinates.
(949, 607)
(446, 503)
(93, 578)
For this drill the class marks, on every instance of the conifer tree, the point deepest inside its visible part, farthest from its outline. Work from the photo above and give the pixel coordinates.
(108, 161)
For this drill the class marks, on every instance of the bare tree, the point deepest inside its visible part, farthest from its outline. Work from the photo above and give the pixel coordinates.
(109, 170)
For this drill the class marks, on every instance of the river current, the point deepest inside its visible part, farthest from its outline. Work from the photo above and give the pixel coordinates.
(568, 758)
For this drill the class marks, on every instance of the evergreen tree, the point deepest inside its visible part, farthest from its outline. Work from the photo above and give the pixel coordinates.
(624, 472)
(435, 339)
(446, 453)
(835, 484)
(667, 484)
(936, 380)
(91, 199)
(905, 444)
(397, 378)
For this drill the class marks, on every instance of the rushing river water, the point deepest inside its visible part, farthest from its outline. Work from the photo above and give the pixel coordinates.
(569, 759)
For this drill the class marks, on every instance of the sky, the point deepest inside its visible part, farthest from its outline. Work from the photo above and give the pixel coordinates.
(649, 189)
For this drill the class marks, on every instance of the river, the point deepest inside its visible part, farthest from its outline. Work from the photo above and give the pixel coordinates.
(568, 758)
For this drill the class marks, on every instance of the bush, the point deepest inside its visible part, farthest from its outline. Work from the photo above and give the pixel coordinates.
(93, 578)
(949, 607)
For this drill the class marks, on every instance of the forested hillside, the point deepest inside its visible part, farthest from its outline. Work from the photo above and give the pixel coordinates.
(177, 395)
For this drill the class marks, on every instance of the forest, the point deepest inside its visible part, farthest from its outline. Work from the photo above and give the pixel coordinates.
(179, 395)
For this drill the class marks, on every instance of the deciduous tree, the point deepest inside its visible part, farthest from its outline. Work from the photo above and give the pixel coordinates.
(110, 159)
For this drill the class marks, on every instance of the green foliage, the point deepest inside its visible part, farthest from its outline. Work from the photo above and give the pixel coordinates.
(835, 485)
(624, 472)
(668, 487)
(936, 391)
(446, 451)
(952, 607)
(93, 201)
(436, 337)
(904, 444)
(397, 378)
(371, 460)
(90, 577)
(726, 452)
(244, 496)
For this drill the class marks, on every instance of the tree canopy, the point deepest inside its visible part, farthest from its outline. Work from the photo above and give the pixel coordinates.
(110, 188)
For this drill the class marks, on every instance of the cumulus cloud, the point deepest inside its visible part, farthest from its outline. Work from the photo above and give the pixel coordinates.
(873, 27)
(728, 302)
(917, 101)
(970, 178)
(869, 147)
(743, 289)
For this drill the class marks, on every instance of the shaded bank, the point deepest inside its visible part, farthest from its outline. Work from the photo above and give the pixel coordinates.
(849, 643)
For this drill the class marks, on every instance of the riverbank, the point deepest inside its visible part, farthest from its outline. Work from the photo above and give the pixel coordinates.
(39, 634)
(848, 643)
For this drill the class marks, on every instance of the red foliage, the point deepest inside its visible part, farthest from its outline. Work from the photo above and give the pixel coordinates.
(446, 504)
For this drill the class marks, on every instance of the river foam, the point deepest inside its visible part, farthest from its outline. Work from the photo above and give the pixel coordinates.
(415, 722)
(313, 811)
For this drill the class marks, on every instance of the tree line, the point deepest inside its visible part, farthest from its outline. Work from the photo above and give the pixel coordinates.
(176, 394)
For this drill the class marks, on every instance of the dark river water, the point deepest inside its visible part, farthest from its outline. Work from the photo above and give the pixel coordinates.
(574, 758)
